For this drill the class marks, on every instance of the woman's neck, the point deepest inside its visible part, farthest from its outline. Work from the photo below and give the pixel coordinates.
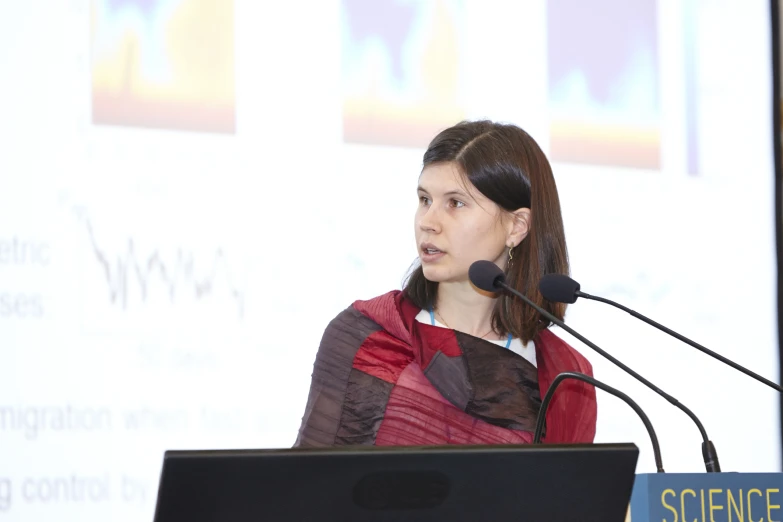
(460, 307)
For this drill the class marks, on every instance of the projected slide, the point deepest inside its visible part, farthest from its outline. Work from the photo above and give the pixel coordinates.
(192, 190)
(164, 64)
(401, 68)
(603, 82)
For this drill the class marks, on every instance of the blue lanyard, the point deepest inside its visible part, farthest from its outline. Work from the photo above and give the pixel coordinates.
(432, 320)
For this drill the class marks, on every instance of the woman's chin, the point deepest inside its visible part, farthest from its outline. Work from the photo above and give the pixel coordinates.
(441, 275)
(433, 274)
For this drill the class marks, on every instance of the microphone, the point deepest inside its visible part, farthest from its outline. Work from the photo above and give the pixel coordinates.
(598, 384)
(487, 276)
(558, 288)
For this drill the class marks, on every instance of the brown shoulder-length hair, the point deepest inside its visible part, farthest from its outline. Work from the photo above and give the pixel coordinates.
(506, 165)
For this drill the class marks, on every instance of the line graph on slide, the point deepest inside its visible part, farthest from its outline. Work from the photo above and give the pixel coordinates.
(131, 272)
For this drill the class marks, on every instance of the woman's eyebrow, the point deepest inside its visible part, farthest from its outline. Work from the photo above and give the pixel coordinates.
(449, 193)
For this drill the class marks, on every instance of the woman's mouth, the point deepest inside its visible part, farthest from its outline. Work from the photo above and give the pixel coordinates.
(430, 254)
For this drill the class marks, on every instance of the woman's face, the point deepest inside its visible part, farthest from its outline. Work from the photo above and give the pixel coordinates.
(454, 226)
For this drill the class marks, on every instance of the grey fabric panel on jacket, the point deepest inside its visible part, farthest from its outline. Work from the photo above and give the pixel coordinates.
(504, 384)
(365, 403)
(331, 372)
(450, 377)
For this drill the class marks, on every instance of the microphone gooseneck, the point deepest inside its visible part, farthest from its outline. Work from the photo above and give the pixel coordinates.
(559, 288)
(489, 277)
(605, 387)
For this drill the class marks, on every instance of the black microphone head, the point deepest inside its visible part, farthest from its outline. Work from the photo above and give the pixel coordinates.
(558, 288)
(486, 275)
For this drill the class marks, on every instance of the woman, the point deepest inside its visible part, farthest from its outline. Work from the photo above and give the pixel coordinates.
(442, 362)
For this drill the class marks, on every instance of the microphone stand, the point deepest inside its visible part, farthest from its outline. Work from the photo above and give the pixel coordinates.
(684, 339)
(708, 451)
(598, 384)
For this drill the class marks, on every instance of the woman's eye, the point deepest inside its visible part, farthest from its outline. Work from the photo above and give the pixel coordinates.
(457, 204)
(424, 200)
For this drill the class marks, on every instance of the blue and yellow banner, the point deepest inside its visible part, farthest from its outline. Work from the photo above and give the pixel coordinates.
(707, 497)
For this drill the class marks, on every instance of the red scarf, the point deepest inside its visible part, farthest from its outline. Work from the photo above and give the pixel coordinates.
(383, 378)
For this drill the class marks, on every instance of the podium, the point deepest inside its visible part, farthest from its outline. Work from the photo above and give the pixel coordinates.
(539, 483)
(707, 497)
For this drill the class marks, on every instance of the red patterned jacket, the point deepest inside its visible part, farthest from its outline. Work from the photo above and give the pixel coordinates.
(382, 378)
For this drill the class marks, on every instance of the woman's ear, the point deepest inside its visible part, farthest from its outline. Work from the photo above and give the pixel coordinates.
(519, 226)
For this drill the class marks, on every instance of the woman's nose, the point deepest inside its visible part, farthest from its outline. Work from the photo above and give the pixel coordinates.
(429, 221)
